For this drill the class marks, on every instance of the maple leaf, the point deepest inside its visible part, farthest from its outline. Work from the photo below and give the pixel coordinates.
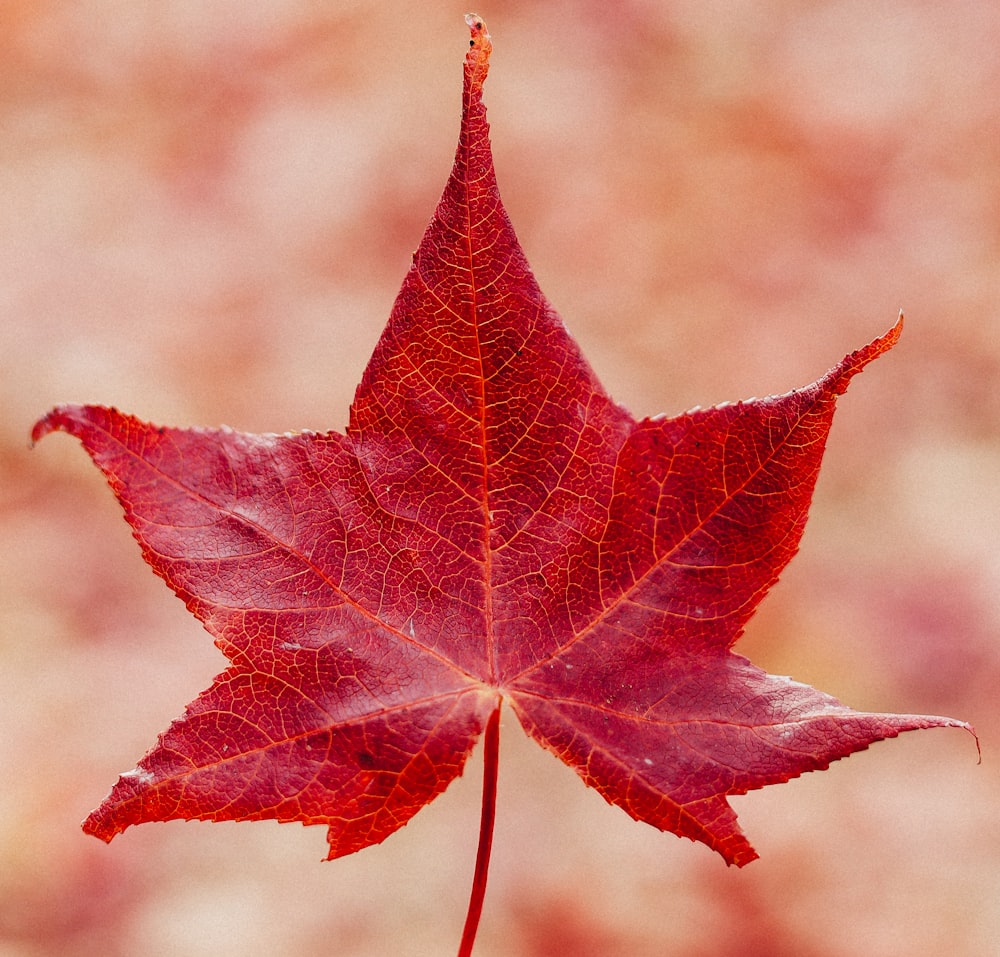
(491, 527)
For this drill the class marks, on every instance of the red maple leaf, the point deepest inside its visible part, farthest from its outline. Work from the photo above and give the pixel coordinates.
(492, 527)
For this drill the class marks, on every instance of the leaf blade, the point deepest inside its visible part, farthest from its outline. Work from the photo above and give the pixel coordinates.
(491, 525)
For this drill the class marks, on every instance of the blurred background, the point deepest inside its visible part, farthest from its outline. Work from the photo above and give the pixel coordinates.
(206, 209)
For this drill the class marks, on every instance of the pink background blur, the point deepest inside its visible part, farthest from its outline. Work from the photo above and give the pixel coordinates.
(206, 209)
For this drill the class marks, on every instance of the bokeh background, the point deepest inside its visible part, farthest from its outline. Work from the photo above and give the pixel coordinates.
(206, 209)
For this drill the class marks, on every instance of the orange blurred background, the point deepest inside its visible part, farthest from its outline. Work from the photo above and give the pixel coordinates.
(206, 210)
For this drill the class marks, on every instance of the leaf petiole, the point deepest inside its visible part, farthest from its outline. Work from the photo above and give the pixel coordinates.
(491, 756)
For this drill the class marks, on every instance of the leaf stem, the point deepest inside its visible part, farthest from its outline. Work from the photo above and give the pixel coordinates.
(491, 761)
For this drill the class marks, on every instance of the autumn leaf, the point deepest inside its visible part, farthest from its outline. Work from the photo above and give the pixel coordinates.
(491, 527)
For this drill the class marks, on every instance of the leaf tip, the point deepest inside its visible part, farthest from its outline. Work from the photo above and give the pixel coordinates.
(118, 810)
(477, 60)
(922, 722)
(965, 726)
(840, 376)
(46, 424)
(746, 857)
(63, 418)
(100, 825)
(94, 829)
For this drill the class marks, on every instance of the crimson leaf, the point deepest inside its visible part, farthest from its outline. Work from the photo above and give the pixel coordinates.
(492, 526)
